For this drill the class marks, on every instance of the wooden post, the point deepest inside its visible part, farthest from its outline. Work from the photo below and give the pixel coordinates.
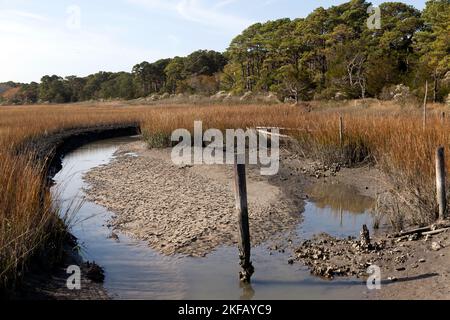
(440, 182)
(443, 117)
(341, 131)
(425, 106)
(243, 224)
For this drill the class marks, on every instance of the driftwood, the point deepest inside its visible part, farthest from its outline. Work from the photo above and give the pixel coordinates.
(412, 231)
(424, 231)
(431, 233)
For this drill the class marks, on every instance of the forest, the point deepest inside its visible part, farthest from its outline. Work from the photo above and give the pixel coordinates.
(330, 54)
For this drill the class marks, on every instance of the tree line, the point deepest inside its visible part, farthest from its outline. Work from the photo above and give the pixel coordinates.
(332, 53)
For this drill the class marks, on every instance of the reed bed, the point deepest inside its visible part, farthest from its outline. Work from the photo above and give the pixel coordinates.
(379, 133)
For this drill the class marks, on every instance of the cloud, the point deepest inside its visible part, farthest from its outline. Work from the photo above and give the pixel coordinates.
(34, 47)
(21, 14)
(196, 11)
(225, 3)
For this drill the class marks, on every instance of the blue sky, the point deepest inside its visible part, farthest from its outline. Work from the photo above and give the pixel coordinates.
(80, 37)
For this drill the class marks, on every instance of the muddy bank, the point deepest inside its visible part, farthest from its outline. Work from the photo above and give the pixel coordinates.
(413, 266)
(51, 148)
(190, 211)
(43, 281)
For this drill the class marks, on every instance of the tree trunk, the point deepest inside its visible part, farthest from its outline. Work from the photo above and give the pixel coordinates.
(435, 89)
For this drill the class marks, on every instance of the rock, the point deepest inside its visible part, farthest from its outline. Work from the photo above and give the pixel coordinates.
(435, 246)
(94, 272)
(271, 98)
(113, 236)
(165, 96)
(291, 261)
(400, 269)
(340, 96)
(413, 237)
(247, 96)
(422, 260)
(393, 279)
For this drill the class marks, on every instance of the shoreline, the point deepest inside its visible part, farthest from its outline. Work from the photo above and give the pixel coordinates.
(413, 283)
(42, 281)
(288, 187)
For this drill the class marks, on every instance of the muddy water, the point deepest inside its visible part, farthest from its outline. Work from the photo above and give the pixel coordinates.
(134, 271)
(336, 209)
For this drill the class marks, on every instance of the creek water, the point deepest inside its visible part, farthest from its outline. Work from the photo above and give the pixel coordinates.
(135, 271)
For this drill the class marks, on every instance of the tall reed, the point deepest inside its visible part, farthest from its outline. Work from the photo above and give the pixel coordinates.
(380, 133)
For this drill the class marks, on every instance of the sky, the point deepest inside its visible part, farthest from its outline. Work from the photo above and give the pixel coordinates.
(81, 37)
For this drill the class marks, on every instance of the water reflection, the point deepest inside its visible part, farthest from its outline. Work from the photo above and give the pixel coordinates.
(339, 197)
(247, 291)
(336, 209)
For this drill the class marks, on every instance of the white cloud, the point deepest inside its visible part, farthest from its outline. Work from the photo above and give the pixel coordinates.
(196, 11)
(32, 48)
(4, 14)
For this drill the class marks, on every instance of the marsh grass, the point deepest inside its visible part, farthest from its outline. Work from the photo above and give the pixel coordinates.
(380, 133)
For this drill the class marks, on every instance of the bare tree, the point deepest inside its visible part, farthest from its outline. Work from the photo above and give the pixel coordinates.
(356, 73)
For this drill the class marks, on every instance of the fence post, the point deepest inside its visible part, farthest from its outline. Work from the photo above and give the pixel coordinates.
(440, 182)
(243, 224)
(341, 131)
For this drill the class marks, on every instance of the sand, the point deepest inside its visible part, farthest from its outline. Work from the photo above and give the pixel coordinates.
(187, 210)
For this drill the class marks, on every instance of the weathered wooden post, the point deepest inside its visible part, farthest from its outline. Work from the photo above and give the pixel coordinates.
(243, 224)
(425, 106)
(341, 131)
(440, 182)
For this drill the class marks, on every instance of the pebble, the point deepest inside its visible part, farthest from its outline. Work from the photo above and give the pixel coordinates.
(392, 279)
(436, 246)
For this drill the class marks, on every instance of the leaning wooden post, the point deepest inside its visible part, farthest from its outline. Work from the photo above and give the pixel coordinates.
(341, 131)
(243, 224)
(440, 182)
(425, 106)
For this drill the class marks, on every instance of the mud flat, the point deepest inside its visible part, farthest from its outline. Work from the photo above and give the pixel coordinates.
(190, 211)
(412, 267)
(185, 210)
